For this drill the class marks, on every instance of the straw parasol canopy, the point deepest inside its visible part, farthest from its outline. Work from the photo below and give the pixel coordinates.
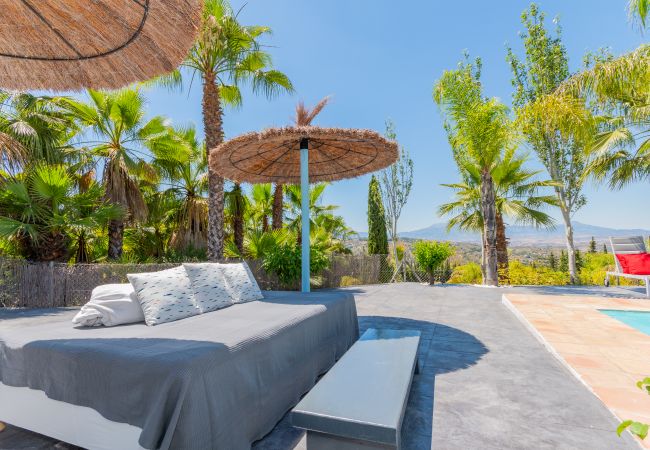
(273, 155)
(76, 44)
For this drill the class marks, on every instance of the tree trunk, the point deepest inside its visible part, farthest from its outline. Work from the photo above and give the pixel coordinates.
(488, 208)
(570, 246)
(483, 253)
(432, 278)
(265, 223)
(213, 126)
(502, 250)
(115, 238)
(278, 207)
(82, 250)
(238, 219)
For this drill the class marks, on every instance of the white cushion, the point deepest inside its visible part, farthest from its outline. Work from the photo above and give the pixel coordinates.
(208, 286)
(110, 305)
(241, 283)
(165, 296)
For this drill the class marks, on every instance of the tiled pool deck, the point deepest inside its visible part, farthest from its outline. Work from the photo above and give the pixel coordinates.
(608, 356)
(485, 381)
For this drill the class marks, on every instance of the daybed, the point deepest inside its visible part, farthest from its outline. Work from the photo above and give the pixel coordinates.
(218, 380)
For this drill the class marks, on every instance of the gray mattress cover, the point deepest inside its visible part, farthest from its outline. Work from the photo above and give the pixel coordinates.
(219, 380)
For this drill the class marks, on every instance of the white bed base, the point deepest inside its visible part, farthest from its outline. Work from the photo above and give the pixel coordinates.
(33, 410)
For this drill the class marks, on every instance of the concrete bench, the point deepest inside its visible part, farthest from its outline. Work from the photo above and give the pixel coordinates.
(360, 402)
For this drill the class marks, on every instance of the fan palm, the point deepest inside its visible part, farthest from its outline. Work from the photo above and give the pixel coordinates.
(517, 197)
(316, 208)
(33, 129)
(44, 214)
(478, 129)
(261, 206)
(303, 118)
(227, 55)
(620, 87)
(185, 173)
(121, 136)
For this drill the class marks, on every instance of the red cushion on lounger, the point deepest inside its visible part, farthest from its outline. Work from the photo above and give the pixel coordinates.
(636, 264)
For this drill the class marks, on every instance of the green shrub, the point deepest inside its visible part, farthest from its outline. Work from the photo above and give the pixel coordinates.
(430, 255)
(522, 274)
(285, 262)
(349, 281)
(469, 273)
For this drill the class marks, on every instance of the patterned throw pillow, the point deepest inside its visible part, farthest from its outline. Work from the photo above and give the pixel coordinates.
(165, 296)
(209, 286)
(241, 283)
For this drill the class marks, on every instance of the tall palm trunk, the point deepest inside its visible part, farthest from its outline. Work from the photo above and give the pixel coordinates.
(82, 250)
(278, 207)
(213, 126)
(488, 208)
(502, 249)
(238, 218)
(115, 238)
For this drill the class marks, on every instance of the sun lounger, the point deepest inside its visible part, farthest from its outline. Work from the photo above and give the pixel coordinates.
(627, 246)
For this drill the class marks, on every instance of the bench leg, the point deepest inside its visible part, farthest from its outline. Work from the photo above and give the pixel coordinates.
(647, 287)
(322, 441)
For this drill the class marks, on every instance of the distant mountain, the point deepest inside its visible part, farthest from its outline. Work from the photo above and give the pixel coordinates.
(523, 235)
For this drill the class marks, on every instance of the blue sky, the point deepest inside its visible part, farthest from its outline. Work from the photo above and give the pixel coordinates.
(379, 60)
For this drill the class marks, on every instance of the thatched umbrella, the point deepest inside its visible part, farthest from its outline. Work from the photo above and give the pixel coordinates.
(300, 155)
(76, 44)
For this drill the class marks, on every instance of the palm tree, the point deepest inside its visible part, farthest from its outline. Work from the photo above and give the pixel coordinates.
(316, 208)
(33, 129)
(261, 206)
(304, 117)
(226, 55)
(478, 129)
(620, 89)
(121, 136)
(517, 197)
(639, 10)
(185, 174)
(236, 207)
(45, 215)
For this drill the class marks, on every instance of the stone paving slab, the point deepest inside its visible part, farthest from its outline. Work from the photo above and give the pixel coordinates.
(485, 381)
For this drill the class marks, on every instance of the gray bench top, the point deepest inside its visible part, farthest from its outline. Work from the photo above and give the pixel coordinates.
(365, 394)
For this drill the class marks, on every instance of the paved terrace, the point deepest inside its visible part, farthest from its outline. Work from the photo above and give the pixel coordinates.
(485, 381)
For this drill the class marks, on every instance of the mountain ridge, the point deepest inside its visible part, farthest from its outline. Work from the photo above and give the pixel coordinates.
(522, 235)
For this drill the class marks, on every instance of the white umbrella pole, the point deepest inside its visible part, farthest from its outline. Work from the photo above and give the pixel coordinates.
(304, 193)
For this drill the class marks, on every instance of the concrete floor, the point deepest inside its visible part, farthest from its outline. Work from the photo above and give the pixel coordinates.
(485, 382)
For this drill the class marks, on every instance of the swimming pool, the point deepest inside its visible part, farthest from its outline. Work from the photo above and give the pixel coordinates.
(636, 319)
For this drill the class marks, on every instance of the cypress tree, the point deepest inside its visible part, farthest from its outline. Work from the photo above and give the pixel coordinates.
(605, 248)
(564, 262)
(377, 236)
(592, 245)
(552, 261)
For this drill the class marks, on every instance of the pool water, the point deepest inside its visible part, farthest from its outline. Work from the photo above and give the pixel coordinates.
(636, 319)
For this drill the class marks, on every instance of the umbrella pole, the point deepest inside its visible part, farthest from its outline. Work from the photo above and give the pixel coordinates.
(304, 194)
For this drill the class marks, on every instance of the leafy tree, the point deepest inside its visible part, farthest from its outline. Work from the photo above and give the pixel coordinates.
(121, 134)
(377, 236)
(395, 183)
(555, 126)
(478, 130)
(552, 261)
(517, 196)
(227, 55)
(44, 214)
(592, 245)
(430, 255)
